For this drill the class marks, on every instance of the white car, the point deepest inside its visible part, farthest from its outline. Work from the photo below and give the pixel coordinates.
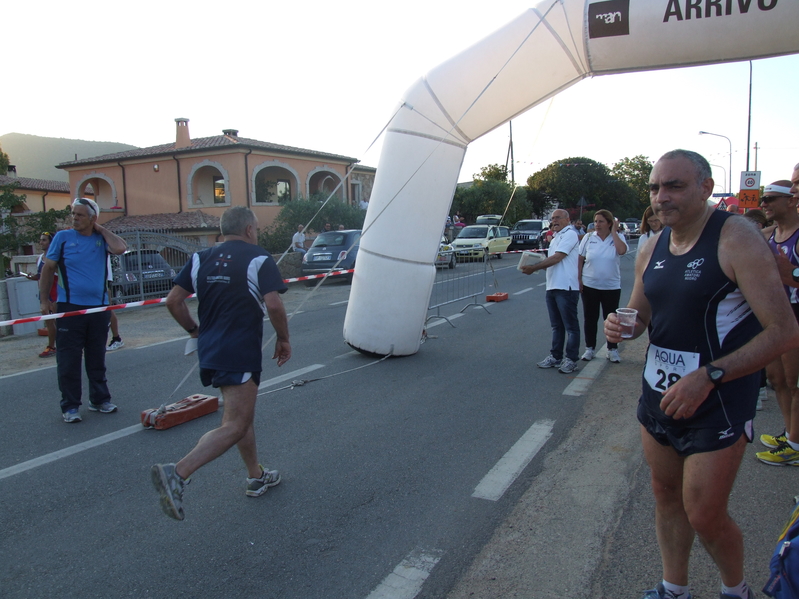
(446, 255)
(481, 241)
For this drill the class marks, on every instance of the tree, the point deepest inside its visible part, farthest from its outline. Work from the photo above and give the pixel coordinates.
(277, 237)
(492, 172)
(4, 162)
(18, 229)
(635, 172)
(567, 181)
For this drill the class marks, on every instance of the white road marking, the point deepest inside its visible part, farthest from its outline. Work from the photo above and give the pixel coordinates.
(91, 443)
(541, 284)
(587, 374)
(508, 468)
(442, 321)
(339, 303)
(289, 375)
(8, 376)
(354, 352)
(68, 451)
(524, 291)
(407, 579)
(160, 343)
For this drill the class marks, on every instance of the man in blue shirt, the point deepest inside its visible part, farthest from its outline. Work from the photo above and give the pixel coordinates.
(236, 283)
(80, 255)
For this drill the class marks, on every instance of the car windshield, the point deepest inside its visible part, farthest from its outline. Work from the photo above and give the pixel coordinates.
(530, 225)
(330, 238)
(474, 232)
(149, 261)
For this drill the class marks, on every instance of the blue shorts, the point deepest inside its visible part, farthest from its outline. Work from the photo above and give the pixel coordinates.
(687, 441)
(224, 378)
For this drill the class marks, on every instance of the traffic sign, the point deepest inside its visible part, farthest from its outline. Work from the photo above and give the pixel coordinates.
(750, 180)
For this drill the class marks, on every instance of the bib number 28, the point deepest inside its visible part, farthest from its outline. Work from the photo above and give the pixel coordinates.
(665, 379)
(664, 367)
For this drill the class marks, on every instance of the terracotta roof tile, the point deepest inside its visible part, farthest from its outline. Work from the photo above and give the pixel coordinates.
(36, 184)
(203, 143)
(182, 221)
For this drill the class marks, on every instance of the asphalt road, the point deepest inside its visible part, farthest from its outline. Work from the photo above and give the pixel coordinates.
(379, 463)
(392, 471)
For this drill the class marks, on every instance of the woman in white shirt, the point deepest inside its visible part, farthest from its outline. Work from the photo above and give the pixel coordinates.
(600, 279)
(650, 227)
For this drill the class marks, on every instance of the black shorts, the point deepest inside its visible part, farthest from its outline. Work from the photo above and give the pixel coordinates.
(687, 441)
(224, 378)
(795, 311)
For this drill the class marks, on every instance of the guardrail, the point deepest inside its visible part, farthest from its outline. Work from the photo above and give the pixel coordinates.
(466, 280)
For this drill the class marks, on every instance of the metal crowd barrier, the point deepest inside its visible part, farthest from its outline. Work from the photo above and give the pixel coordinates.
(466, 281)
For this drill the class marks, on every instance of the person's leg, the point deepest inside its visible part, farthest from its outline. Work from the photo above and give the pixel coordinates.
(248, 450)
(114, 326)
(555, 320)
(707, 482)
(590, 315)
(610, 302)
(568, 310)
(674, 532)
(790, 367)
(70, 339)
(94, 354)
(236, 425)
(50, 324)
(776, 374)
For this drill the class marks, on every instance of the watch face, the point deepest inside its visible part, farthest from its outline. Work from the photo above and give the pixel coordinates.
(716, 375)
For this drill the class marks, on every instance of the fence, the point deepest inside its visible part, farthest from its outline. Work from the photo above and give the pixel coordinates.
(146, 269)
(457, 281)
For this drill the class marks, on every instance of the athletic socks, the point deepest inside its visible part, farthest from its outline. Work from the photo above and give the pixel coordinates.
(676, 591)
(742, 590)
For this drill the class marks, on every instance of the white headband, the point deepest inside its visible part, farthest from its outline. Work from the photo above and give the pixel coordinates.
(777, 189)
(90, 204)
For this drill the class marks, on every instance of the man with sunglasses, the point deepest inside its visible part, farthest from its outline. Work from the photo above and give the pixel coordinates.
(80, 255)
(779, 203)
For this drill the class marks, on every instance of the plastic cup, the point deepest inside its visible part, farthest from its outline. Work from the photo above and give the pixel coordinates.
(627, 318)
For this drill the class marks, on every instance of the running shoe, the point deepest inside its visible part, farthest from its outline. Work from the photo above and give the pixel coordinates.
(116, 343)
(784, 455)
(549, 362)
(773, 442)
(48, 352)
(104, 408)
(589, 354)
(613, 356)
(749, 595)
(659, 592)
(170, 485)
(71, 415)
(258, 486)
(567, 366)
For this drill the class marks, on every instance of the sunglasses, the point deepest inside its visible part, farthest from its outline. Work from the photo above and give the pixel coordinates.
(769, 199)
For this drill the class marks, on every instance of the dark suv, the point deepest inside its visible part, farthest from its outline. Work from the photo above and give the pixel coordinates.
(526, 234)
(139, 273)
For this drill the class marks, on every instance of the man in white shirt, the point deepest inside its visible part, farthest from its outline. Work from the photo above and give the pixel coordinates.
(563, 293)
(298, 240)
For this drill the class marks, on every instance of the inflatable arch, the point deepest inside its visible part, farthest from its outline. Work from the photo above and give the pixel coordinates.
(543, 51)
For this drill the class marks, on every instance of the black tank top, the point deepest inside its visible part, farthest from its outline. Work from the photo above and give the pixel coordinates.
(698, 315)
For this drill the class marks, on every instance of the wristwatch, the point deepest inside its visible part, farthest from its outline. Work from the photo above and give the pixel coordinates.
(715, 374)
(795, 275)
(192, 329)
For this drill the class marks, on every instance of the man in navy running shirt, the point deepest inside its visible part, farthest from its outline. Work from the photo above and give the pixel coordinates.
(236, 283)
(705, 292)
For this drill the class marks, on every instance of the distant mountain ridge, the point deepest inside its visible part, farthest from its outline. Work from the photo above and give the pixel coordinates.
(35, 156)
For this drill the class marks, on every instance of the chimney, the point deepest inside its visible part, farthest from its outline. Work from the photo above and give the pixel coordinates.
(230, 132)
(182, 139)
(12, 171)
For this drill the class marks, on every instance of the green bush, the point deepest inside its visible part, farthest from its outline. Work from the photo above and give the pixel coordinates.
(276, 239)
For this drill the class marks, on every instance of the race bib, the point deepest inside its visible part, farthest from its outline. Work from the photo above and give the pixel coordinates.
(664, 367)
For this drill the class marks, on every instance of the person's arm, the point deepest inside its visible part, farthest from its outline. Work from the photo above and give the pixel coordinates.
(176, 304)
(747, 260)
(545, 263)
(638, 301)
(46, 284)
(580, 262)
(116, 245)
(785, 268)
(618, 241)
(277, 316)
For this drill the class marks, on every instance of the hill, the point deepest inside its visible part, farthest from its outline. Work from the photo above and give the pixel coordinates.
(35, 157)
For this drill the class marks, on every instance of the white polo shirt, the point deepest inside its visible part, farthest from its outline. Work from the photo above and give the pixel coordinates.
(601, 268)
(564, 274)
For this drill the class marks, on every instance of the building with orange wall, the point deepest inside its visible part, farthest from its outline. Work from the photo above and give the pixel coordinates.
(210, 174)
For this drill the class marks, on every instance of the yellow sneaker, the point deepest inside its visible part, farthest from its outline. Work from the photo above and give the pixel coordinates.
(773, 442)
(784, 455)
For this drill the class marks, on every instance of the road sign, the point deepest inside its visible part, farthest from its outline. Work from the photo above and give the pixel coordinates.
(750, 180)
(749, 198)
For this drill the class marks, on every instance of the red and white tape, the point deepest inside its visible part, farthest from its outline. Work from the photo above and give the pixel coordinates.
(148, 302)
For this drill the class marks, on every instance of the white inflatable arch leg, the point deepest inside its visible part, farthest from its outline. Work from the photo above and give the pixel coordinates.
(543, 51)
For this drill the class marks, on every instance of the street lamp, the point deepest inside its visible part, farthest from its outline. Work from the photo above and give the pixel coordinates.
(728, 139)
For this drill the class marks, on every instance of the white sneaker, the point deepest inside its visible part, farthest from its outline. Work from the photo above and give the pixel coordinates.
(567, 366)
(613, 356)
(549, 362)
(589, 354)
(115, 345)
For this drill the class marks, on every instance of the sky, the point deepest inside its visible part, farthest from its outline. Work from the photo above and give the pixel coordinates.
(327, 76)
